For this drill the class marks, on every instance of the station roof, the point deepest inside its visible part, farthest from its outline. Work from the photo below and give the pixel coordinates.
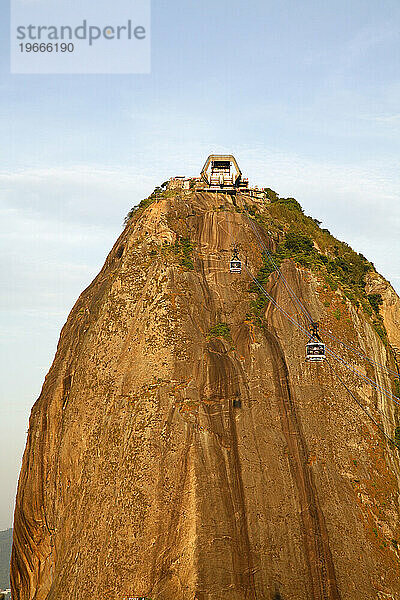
(227, 157)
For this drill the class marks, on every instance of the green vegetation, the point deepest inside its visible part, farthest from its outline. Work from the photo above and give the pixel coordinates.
(397, 436)
(300, 238)
(141, 206)
(221, 330)
(347, 270)
(375, 301)
(290, 203)
(258, 306)
(251, 210)
(159, 192)
(299, 243)
(395, 544)
(380, 329)
(183, 248)
(271, 195)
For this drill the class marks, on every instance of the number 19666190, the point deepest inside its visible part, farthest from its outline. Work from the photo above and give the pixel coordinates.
(50, 47)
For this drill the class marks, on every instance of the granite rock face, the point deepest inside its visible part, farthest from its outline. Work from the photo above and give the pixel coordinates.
(141, 478)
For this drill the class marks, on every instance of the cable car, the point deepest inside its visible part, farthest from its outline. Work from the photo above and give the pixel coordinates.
(235, 266)
(315, 351)
(315, 348)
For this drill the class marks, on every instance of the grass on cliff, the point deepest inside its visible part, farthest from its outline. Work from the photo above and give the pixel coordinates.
(221, 330)
(397, 436)
(298, 237)
(140, 207)
(301, 238)
(183, 249)
(158, 193)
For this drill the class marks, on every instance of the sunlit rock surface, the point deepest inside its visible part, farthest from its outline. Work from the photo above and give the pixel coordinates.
(140, 477)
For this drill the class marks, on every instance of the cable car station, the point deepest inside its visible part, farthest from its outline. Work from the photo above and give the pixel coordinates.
(221, 173)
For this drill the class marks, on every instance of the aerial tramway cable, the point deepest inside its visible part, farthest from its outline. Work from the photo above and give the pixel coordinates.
(366, 379)
(235, 264)
(299, 305)
(276, 304)
(305, 312)
(330, 366)
(361, 354)
(363, 407)
(292, 294)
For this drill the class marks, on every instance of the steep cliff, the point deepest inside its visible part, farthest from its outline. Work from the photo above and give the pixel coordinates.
(143, 475)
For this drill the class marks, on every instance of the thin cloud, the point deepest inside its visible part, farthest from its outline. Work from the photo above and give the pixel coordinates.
(84, 205)
(85, 194)
(390, 119)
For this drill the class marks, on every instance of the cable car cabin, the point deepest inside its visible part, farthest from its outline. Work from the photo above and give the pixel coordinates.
(235, 266)
(315, 351)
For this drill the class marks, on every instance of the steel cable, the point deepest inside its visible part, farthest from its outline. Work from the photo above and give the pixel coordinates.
(363, 408)
(303, 309)
(374, 384)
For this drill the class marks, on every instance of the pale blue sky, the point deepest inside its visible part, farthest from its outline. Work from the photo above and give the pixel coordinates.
(306, 94)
